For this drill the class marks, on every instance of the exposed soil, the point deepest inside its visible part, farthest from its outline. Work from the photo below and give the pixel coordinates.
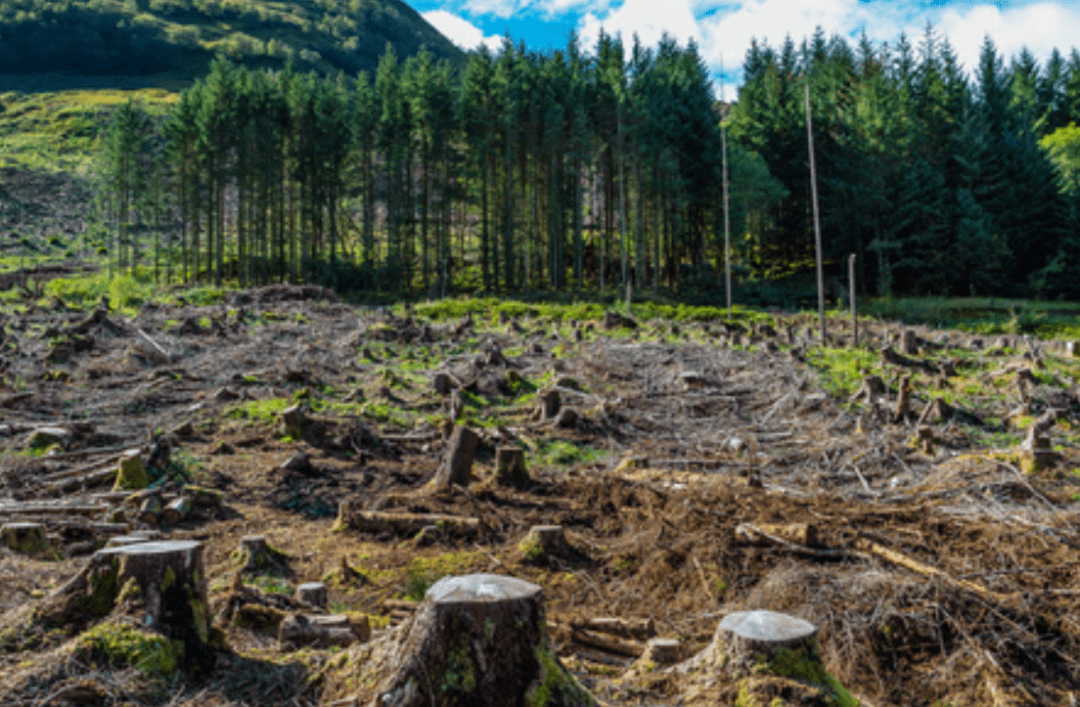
(941, 573)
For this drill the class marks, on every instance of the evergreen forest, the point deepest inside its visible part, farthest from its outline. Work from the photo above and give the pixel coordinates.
(574, 170)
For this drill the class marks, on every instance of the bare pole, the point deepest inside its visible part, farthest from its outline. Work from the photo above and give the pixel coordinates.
(817, 221)
(851, 298)
(727, 221)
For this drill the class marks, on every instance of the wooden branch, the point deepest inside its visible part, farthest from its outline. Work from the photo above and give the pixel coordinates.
(865, 545)
(157, 347)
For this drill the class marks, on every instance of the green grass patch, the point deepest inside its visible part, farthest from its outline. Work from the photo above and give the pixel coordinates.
(563, 453)
(982, 315)
(262, 411)
(841, 371)
(425, 571)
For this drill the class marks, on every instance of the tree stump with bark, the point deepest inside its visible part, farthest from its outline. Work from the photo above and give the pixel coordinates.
(749, 638)
(548, 403)
(474, 640)
(510, 466)
(909, 342)
(255, 552)
(903, 399)
(456, 467)
(27, 538)
(442, 383)
(312, 593)
(543, 542)
(161, 583)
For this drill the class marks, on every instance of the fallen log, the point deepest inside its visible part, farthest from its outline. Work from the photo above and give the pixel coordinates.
(401, 523)
(607, 642)
(641, 629)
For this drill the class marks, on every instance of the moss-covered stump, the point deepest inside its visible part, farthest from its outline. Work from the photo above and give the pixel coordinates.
(545, 542)
(758, 656)
(27, 538)
(130, 474)
(510, 466)
(476, 640)
(160, 583)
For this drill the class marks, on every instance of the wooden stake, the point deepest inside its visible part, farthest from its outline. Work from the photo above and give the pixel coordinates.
(817, 220)
(727, 222)
(851, 298)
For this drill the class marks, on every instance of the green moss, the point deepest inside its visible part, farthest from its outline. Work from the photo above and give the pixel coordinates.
(554, 681)
(120, 644)
(799, 665)
(168, 580)
(460, 673)
(103, 589)
(131, 475)
(530, 548)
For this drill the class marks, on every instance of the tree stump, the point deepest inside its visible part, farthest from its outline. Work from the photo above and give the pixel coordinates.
(510, 466)
(662, 651)
(293, 421)
(567, 419)
(903, 399)
(872, 387)
(313, 593)
(27, 538)
(456, 467)
(442, 383)
(149, 510)
(130, 475)
(909, 343)
(748, 637)
(255, 551)
(544, 541)
(162, 583)
(547, 404)
(474, 640)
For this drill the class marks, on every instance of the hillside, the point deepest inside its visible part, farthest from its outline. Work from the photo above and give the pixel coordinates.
(110, 38)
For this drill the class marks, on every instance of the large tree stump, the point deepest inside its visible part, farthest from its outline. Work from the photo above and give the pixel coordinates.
(161, 583)
(474, 640)
(456, 467)
(510, 466)
(748, 638)
(255, 552)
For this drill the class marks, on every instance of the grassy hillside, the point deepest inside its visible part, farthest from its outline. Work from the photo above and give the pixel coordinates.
(107, 38)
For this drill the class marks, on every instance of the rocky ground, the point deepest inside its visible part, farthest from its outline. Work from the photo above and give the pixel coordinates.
(915, 504)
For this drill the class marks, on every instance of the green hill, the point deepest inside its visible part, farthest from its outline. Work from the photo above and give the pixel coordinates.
(110, 38)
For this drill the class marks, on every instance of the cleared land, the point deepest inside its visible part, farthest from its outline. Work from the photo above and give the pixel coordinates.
(705, 469)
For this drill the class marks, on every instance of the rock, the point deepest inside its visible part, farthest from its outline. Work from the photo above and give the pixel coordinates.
(479, 639)
(510, 466)
(457, 464)
(313, 593)
(130, 474)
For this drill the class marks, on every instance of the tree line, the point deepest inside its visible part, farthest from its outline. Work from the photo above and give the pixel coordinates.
(567, 170)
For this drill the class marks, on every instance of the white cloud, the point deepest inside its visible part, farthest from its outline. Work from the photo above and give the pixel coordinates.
(1040, 27)
(499, 8)
(648, 18)
(461, 32)
(724, 28)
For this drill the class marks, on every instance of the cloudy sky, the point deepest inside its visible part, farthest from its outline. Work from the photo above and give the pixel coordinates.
(723, 28)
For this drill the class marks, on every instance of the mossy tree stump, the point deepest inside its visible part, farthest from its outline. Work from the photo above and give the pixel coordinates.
(543, 542)
(313, 594)
(27, 538)
(162, 583)
(255, 552)
(474, 640)
(749, 638)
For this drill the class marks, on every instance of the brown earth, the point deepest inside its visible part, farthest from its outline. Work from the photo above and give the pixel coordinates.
(939, 575)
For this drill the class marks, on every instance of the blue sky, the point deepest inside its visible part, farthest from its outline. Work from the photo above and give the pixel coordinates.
(723, 28)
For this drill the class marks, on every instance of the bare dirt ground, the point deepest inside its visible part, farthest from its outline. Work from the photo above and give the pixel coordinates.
(700, 467)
